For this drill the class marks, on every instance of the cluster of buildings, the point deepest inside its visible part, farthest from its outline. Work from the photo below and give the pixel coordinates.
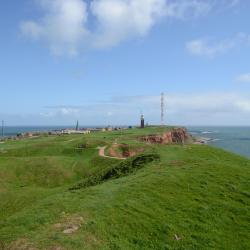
(69, 131)
(78, 130)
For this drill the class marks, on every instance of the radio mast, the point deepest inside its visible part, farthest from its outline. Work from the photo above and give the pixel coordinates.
(162, 109)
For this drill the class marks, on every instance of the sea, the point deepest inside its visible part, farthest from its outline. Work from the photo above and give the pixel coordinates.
(234, 139)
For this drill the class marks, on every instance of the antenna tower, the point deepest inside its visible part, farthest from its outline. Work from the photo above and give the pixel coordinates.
(162, 109)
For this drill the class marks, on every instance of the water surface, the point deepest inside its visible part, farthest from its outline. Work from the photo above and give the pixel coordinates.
(234, 139)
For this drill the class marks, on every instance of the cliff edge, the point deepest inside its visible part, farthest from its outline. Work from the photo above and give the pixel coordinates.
(177, 136)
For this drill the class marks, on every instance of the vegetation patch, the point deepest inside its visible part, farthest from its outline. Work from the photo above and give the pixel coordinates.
(70, 224)
(194, 197)
(124, 150)
(122, 169)
(21, 244)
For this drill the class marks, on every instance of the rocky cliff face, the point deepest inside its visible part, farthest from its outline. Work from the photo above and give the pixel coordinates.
(177, 135)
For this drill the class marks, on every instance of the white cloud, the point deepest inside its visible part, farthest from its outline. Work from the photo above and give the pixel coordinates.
(233, 3)
(211, 48)
(62, 27)
(243, 105)
(193, 109)
(119, 19)
(69, 111)
(201, 47)
(65, 26)
(183, 9)
(225, 108)
(109, 113)
(197, 108)
(61, 111)
(191, 103)
(244, 78)
(122, 19)
(46, 114)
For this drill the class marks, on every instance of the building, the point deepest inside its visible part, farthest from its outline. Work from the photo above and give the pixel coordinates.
(72, 131)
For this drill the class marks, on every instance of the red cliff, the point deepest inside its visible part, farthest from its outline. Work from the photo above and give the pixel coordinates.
(177, 135)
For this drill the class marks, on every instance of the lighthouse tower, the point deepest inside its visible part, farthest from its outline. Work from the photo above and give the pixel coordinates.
(142, 121)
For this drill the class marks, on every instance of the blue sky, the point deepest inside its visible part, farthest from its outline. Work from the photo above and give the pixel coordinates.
(106, 61)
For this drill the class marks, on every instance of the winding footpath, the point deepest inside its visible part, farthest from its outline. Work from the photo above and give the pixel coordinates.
(102, 154)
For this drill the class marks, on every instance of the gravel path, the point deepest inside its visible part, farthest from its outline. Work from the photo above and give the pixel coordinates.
(102, 154)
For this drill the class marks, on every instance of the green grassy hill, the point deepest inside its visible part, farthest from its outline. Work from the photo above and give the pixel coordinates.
(188, 197)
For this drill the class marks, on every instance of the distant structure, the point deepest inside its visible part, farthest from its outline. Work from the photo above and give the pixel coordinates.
(162, 109)
(142, 122)
(77, 125)
(2, 128)
(73, 131)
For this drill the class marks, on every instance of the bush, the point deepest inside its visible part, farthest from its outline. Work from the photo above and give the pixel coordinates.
(122, 169)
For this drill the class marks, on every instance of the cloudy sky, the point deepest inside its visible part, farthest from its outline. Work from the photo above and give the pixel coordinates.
(107, 61)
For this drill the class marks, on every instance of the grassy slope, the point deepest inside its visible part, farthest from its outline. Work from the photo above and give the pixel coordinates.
(199, 193)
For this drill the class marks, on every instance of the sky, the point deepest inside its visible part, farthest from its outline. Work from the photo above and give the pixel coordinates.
(106, 62)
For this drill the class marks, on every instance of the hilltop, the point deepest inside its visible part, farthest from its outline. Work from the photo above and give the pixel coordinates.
(154, 189)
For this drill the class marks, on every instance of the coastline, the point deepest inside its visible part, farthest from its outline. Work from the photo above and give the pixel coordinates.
(233, 139)
(203, 140)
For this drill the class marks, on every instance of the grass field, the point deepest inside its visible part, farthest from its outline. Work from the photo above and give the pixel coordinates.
(194, 197)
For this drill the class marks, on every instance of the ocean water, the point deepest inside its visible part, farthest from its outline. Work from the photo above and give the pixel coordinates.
(234, 139)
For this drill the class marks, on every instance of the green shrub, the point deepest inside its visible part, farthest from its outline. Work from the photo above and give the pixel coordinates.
(124, 168)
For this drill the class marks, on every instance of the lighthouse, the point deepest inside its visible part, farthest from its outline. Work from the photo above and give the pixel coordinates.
(142, 121)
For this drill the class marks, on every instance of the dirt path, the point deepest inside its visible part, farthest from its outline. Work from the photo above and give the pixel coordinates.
(102, 154)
